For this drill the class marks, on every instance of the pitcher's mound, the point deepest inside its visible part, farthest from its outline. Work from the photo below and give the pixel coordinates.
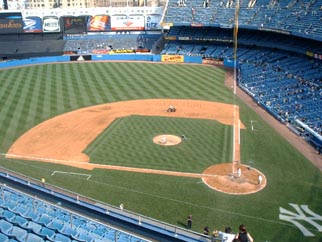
(220, 177)
(166, 139)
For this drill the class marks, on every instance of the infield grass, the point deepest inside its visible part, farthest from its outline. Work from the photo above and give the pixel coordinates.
(31, 95)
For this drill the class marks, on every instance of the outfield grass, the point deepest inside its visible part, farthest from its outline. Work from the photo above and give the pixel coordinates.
(31, 95)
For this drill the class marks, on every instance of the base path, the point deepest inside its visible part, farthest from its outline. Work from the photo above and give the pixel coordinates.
(63, 138)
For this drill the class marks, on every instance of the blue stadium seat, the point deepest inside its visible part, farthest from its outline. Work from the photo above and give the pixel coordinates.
(4, 238)
(9, 216)
(5, 227)
(68, 231)
(20, 221)
(62, 238)
(33, 238)
(56, 225)
(44, 220)
(34, 227)
(47, 233)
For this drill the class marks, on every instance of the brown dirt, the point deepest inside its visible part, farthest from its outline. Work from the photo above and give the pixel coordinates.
(224, 180)
(167, 140)
(63, 138)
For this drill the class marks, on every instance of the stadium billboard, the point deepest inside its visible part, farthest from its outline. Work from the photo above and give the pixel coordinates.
(32, 25)
(10, 22)
(152, 22)
(127, 22)
(172, 58)
(74, 25)
(51, 24)
(98, 23)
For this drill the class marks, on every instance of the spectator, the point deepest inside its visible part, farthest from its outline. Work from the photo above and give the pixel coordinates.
(243, 235)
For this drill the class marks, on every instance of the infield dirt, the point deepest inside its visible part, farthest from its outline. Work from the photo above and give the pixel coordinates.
(63, 138)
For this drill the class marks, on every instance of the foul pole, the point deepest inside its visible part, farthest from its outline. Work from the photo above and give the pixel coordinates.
(235, 134)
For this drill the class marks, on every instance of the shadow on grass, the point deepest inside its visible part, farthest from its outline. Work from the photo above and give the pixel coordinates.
(180, 223)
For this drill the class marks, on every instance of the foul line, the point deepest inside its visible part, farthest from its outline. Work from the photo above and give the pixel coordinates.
(111, 167)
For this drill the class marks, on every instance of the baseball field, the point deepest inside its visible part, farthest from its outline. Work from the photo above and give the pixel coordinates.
(108, 120)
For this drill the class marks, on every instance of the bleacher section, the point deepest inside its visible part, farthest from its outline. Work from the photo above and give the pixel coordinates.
(299, 18)
(93, 44)
(285, 83)
(26, 218)
(30, 45)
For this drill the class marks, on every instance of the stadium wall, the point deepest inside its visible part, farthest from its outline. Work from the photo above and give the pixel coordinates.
(113, 57)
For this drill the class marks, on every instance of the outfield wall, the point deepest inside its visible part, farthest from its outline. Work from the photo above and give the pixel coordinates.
(112, 57)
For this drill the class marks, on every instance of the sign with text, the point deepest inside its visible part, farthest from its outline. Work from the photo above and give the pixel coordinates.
(125, 22)
(98, 23)
(172, 58)
(32, 25)
(10, 22)
(51, 24)
(152, 22)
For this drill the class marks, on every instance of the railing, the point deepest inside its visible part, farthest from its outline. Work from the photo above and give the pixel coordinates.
(137, 220)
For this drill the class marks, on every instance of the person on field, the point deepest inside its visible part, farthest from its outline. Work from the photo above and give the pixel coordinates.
(171, 109)
(243, 235)
(206, 230)
(189, 222)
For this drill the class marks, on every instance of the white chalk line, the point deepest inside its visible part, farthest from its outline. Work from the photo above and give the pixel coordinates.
(112, 167)
(72, 173)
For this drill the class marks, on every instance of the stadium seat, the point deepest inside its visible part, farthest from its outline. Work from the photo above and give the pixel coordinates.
(61, 238)
(33, 238)
(5, 227)
(4, 238)
(47, 233)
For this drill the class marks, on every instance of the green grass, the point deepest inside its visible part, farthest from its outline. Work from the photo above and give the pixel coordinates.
(31, 95)
(208, 143)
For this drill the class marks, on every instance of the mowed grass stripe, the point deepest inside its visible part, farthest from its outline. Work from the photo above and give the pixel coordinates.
(14, 106)
(90, 85)
(134, 135)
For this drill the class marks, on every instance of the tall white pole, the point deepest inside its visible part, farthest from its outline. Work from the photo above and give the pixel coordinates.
(235, 134)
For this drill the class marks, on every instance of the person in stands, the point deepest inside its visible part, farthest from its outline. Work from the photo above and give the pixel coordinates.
(243, 235)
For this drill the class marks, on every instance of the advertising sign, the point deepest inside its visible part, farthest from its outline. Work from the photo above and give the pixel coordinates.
(74, 25)
(152, 22)
(172, 58)
(10, 22)
(125, 22)
(80, 57)
(51, 24)
(32, 25)
(99, 23)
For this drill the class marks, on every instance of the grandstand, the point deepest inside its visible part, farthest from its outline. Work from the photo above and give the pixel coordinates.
(279, 65)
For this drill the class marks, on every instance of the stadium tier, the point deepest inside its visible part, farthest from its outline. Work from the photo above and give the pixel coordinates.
(277, 59)
(26, 218)
(299, 18)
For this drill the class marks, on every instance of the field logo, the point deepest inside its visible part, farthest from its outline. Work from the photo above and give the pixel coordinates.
(302, 213)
